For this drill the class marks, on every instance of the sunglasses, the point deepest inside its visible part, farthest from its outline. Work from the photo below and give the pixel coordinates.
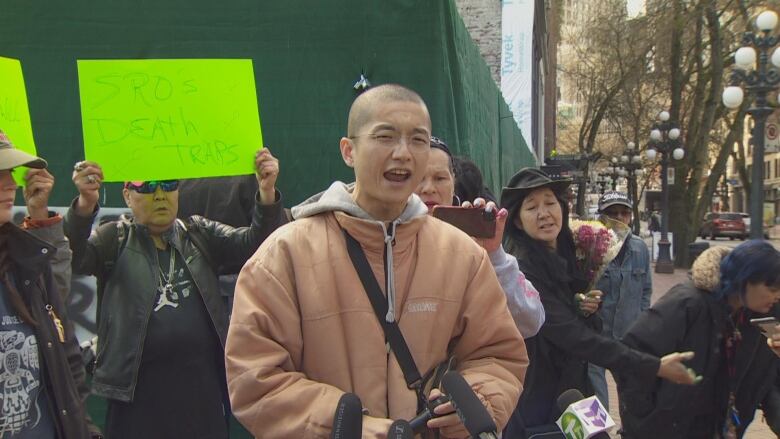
(149, 187)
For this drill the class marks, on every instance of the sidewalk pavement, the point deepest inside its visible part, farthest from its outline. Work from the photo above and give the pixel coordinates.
(661, 284)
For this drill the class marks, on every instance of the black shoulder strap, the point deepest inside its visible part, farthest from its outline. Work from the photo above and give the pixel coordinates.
(115, 236)
(393, 333)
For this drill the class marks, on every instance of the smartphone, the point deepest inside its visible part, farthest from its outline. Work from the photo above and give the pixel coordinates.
(476, 222)
(766, 325)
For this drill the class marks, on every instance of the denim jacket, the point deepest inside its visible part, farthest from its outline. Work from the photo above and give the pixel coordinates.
(627, 288)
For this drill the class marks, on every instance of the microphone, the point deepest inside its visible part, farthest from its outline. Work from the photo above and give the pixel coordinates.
(469, 408)
(583, 417)
(400, 429)
(348, 418)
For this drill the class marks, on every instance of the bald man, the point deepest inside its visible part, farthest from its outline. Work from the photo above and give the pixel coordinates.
(304, 331)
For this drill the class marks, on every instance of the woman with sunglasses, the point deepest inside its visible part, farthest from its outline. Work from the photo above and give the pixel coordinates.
(161, 321)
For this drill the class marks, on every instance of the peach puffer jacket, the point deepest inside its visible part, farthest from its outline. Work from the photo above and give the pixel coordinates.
(303, 331)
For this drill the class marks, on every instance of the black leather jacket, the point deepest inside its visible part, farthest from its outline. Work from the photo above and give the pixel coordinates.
(690, 319)
(62, 370)
(128, 282)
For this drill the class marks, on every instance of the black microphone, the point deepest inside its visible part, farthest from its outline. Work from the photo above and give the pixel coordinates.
(470, 409)
(348, 418)
(570, 397)
(400, 429)
(419, 422)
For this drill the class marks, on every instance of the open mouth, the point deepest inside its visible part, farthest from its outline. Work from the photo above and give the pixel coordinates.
(398, 175)
(546, 227)
(431, 204)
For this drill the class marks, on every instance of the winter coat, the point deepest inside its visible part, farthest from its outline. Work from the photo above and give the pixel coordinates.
(560, 353)
(303, 331)
(689, 318)
(62, 370)
(127, 275)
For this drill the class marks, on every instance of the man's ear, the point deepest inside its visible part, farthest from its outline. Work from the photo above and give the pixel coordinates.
(126, 195)
(347, 147)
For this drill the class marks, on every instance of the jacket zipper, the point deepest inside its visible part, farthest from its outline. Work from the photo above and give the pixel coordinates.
(56, 322)
(388, 268)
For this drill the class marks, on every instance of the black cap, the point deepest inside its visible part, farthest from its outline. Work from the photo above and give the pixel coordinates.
(525, 181)
(613, 198)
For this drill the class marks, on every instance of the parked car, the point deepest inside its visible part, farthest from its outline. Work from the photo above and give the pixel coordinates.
(727, 224)
(746, 220)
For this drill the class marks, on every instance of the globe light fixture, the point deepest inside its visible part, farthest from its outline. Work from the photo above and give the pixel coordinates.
(756, 70)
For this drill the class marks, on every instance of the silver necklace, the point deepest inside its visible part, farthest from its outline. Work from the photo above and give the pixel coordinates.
(166, 288)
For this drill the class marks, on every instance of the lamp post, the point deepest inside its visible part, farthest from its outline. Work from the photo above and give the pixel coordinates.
(613, 172)
(759, 80)
(631, 161)
(664, 140)
(601, 181)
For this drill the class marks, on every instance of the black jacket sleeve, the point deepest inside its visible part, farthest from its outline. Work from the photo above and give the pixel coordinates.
(90, 252)
(230, 246)
(567, 330)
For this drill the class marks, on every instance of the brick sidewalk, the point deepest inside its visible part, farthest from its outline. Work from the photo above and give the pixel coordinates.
(661, 284)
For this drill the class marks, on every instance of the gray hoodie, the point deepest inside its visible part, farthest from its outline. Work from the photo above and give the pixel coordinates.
(338, 197)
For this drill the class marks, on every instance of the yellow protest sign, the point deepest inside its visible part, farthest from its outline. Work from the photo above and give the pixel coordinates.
(14, 112)
(160, 119)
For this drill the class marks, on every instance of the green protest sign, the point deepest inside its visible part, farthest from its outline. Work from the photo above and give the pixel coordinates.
(169, 118)
(14, 112)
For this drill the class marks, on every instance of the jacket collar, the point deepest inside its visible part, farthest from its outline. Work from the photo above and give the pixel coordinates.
(371, 234)
(338, 197)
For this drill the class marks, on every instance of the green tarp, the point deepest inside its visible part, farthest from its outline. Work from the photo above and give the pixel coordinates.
(307, 54)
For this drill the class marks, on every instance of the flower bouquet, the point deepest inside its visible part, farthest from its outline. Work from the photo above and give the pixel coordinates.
(596, 244)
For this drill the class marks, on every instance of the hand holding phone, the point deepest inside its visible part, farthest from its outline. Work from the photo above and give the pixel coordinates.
(476, 222)
(767, 325)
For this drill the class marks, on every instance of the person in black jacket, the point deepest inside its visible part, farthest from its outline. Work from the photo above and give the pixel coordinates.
(42, 377)
(710, 315)
(162, 324)
(538, 235)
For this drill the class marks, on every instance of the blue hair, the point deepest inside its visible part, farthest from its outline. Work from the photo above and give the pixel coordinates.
(752, 262)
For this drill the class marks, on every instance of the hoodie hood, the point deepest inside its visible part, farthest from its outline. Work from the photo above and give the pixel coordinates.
(338, 197)
(705, 272)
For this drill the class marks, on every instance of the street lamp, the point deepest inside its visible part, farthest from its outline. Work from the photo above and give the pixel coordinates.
(664, 140)
(601, 181)
(613, 172)
(759, 80)
(631, 162)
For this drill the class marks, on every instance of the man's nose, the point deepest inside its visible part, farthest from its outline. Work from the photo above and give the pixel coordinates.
(402, 149)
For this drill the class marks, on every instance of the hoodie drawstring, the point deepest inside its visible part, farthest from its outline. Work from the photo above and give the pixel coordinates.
(389, 277)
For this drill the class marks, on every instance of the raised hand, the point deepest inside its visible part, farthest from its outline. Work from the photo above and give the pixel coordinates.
(490, 244)
(37, 189)
(266, 171)
(88, 177)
